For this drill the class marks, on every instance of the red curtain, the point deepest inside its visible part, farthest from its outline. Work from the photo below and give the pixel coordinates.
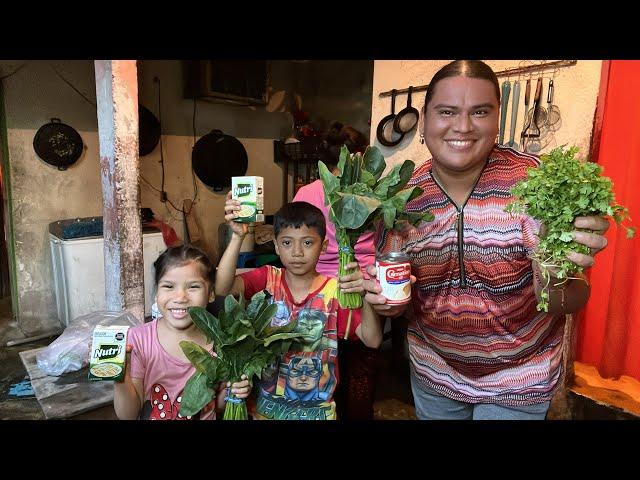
(609, 326)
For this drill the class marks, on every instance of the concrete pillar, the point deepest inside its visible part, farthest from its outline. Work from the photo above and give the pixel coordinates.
(117, 103)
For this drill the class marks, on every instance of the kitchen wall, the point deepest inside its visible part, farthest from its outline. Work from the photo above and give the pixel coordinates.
(41, 194)
(576, 91)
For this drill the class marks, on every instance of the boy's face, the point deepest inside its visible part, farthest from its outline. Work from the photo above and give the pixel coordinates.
(299, 249)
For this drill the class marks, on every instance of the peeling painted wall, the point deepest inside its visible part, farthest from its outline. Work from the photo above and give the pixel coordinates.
(576, 91)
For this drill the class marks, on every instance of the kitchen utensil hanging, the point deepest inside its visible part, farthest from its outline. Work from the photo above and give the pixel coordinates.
(504, 102)
(533, 128)
(554, 120)
(407, 118)
(58, 144)
(525, 124)
(385, 133)
(149, 130)
(216, 158)
(514, 115)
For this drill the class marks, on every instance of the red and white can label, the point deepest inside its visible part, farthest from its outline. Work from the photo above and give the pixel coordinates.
(395, 280)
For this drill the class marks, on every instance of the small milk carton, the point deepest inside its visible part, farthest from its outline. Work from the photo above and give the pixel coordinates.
(108, 353)
(249, 190)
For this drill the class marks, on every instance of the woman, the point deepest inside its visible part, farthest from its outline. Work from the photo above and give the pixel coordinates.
(479, 349)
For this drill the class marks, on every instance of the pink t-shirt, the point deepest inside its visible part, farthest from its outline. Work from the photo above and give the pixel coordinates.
(328, 261)
(163, 376)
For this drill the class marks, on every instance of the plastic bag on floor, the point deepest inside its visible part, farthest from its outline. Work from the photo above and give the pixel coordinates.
(71, 350)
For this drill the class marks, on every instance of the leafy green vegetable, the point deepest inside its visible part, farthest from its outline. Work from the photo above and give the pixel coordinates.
(359, 197)
(245, 344)
(562, 188)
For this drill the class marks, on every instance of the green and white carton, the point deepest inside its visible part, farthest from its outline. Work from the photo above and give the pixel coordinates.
(108, 353)
(249, 190)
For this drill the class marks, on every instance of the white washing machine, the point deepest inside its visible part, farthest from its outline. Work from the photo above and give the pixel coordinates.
(78, 271)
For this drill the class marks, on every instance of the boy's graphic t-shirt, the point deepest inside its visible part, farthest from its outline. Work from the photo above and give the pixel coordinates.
(301, 383)
(163, 376)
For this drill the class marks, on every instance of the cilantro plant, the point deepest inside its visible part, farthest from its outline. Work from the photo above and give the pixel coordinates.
(359, 196)
(562, 188)
(244, 342)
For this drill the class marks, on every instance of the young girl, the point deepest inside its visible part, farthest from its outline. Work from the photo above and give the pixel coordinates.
(157, 369)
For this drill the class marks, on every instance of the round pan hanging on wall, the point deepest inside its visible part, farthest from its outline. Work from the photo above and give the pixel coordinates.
(149, 127)
(58, 144)
(216, 158)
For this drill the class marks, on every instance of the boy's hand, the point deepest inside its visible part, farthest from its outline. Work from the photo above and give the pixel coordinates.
(231, 207)
(353, 282)
(379, 302)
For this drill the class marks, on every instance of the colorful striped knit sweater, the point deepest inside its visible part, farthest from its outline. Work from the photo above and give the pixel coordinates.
(477, 336)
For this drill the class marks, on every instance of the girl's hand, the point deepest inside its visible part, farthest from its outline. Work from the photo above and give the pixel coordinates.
(231, 207)
(240, 389)
(353, 282)
(595, 241)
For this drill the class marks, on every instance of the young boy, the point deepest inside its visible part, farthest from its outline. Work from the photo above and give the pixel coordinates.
(301, 383)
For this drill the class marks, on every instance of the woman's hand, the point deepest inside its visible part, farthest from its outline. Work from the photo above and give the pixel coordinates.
(231, 207)
(595, 241)
(376, 300)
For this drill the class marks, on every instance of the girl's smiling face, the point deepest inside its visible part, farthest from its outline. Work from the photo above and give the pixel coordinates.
(180, 287)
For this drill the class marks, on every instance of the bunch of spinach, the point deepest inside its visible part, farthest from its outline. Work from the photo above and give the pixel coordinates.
(562, 188)
(359, 196)
(244, 342)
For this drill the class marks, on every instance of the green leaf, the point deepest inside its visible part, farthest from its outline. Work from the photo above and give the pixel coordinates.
(264, 319)
(382, 188)
(197, 355)
(256, 303)
(195, 395)
(207, 323)
(374, 162)
(353, 210)
(329, 182)
(388, 214)
(405, 175)
(368, 179)
(281, 336)
(347, 172)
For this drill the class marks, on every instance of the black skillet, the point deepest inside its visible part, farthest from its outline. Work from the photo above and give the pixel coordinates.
(216, 158)
(385, 133)
(407, 118)
(58, 144)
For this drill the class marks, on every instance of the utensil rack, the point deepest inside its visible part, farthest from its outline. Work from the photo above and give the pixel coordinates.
(502, 73)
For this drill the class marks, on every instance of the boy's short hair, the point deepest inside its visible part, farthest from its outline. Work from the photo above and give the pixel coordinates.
(297, 214)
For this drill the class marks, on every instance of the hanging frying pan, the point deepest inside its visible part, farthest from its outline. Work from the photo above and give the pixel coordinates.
(407, 118)
(216, 158)
(149, 128)
(58, 144)
(385, 133)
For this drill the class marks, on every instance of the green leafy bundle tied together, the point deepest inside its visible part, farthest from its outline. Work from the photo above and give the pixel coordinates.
(359, 196)
(562, 188)
(244, 342)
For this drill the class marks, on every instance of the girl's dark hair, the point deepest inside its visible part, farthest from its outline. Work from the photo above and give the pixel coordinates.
(180, 255)
(297, 214)
(463, 68)
(337, 136)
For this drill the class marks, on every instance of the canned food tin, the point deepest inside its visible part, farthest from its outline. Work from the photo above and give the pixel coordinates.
(393, 270)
